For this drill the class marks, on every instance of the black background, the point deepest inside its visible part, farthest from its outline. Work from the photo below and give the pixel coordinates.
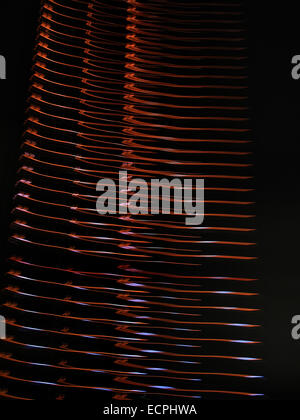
(18, 26)
(275, 99)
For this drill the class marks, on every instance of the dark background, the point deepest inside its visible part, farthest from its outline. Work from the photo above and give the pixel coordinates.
(275, 100)
(18, 26)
